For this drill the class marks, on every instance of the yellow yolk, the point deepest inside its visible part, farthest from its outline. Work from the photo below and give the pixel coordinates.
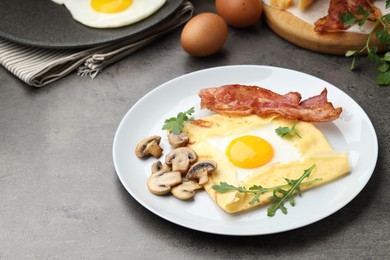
(249, 151)
(110, 6)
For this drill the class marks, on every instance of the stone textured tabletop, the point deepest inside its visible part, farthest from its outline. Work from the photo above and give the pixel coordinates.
(60, 197)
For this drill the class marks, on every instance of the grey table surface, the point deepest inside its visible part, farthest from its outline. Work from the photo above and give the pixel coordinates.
(60, 197)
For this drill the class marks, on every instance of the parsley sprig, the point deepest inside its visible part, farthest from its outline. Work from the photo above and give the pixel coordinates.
(381, 31)
(176, 124)
(349, 19)
(280, 193)
(285, 131)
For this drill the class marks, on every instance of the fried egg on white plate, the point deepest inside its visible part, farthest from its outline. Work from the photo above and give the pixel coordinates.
(248, 152)
(110, 13)
(255, 149)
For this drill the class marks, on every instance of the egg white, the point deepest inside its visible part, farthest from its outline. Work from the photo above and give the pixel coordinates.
(82, 11)
(284, 151)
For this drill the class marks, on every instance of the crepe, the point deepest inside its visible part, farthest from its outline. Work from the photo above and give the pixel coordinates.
(313, 149)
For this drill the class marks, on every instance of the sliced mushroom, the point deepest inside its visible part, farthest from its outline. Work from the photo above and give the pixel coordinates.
(186, 190)
(200, 171)
(178, 140)
(158, 166)
(149, 146)
(181, 158)
(161, 182)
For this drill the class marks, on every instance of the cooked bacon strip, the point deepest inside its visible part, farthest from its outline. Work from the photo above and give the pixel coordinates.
(332, 22)
(375, 12)
(241, 100)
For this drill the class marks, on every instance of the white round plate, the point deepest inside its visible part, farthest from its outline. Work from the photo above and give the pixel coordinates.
(353, 133)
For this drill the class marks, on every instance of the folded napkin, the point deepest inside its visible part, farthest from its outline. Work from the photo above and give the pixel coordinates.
(40, 66)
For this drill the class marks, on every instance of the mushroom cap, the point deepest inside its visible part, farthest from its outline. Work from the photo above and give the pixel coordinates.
(200, 171)
(185, 190)
(181, 158)
(149, 146)
(158, 166)
(161, 182)
(178, 140)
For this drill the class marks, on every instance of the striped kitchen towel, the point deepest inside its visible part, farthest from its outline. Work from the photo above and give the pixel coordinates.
(39, 66)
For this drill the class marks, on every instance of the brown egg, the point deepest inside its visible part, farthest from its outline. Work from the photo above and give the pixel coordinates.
(204, 34)
(239, 13)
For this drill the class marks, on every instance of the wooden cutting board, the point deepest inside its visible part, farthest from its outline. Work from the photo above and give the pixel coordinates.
(302, 34)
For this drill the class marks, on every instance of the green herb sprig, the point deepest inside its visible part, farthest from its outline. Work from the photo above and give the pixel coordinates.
(349, 19)
(176, 124)
(381, 31)
(285, 131)
(279, 193)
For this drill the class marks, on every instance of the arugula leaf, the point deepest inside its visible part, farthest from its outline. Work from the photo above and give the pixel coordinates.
(285, 131)
(225, 187)
(287, 195)
(176, 124)
(279, 193)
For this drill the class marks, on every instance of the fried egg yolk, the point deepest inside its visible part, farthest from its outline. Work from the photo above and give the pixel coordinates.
(249, 151)
(110, 6)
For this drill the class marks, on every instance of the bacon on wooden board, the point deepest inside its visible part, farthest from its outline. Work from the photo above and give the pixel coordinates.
(242, 100)
(332, 21)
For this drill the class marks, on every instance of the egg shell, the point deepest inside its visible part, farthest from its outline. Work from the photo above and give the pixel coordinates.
(239, 13)
(204, 34)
